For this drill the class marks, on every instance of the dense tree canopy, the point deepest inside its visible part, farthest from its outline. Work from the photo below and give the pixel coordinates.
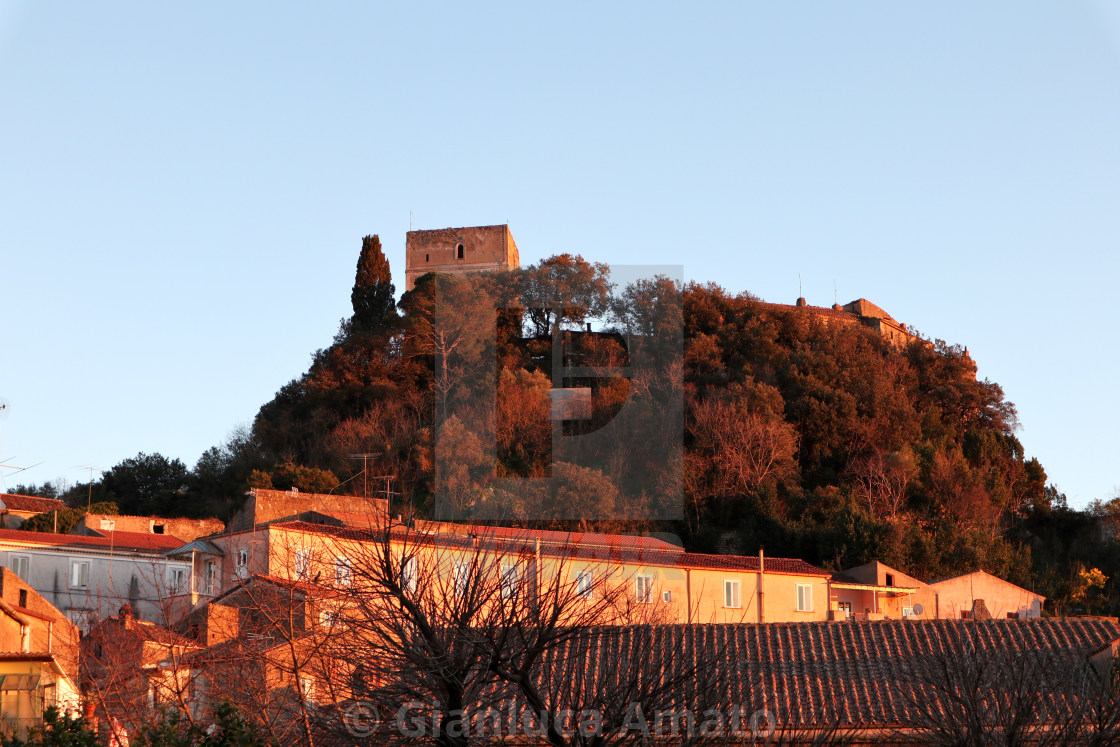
(817, 439)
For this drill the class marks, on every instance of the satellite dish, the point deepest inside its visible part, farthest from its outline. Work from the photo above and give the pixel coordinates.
(918, 609)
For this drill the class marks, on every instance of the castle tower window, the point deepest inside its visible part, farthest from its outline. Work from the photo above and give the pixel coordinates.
(427, 258)
(459, 252)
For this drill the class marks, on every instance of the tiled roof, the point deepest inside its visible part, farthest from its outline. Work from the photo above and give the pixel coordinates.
(112, 540)
(586, 539)
(149, 631)
(15, 502)
(570, 548)
(819, 676)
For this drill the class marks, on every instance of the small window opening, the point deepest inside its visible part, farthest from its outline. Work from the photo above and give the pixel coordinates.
(427, 258)
(157, 528)
(890, 579)
(459, 252)
(23, 597)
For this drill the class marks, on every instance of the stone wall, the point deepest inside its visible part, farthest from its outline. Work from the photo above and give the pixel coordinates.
(458, 251)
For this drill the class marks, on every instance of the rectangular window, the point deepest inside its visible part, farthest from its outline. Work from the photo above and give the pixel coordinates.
(907, 612)
(460, 578)
(667, 597)
(585, 583)
(20, 564)
(804, 598)
(176, 580)
(409, 575)
(210, 577)
(307, 689)
(79, 574)
(509, 581)
(302, 564)
(328, 618)
(731, 598)
(84, 619)
(242, 564)
(342, 571)
(845, 610)
(644, 589)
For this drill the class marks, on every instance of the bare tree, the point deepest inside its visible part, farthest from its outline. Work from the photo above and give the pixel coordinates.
(883, 480)
(972, 695)
(459, 630)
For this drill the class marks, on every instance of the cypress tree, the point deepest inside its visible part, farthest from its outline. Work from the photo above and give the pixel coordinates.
(372, 297)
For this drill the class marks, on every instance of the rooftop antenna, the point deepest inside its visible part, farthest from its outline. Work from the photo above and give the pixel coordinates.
(89, 495)
(365, 464)
(3, 462)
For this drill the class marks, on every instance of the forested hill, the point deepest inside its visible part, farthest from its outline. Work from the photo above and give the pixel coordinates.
(816, 440)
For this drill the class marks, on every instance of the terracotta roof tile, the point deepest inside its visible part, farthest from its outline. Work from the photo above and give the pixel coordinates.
(853, 673)
(115, 540)
(34, 503)
(644, 551)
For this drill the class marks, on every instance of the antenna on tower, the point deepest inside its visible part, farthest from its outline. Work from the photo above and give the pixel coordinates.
(835, 294)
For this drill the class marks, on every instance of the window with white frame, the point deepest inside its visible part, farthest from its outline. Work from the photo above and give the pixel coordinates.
(83, 619)
(301, 563)
(804, 598)
(509, 581)
(585, 584)
(731, 594)
(242, 569)
(307, 689)
(79, 574)
(907, 611)
(643, 588)
(410, 574)
(343, 570)
(176, 580)
(210, 577)
(667, 596)
(460, 579)
(20, 565)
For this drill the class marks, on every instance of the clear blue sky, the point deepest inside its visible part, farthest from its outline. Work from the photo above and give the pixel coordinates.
(183, 190)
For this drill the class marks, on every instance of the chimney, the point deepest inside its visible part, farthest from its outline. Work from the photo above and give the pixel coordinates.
(128, 619)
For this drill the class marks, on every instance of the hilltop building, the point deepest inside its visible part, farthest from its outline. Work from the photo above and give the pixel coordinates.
(459, 251)
(861, 311)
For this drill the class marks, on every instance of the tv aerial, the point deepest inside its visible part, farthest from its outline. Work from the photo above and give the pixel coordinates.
(5, 408)
(89, 495)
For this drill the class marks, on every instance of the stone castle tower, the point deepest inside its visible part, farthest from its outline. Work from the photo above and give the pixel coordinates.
(458, 251)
